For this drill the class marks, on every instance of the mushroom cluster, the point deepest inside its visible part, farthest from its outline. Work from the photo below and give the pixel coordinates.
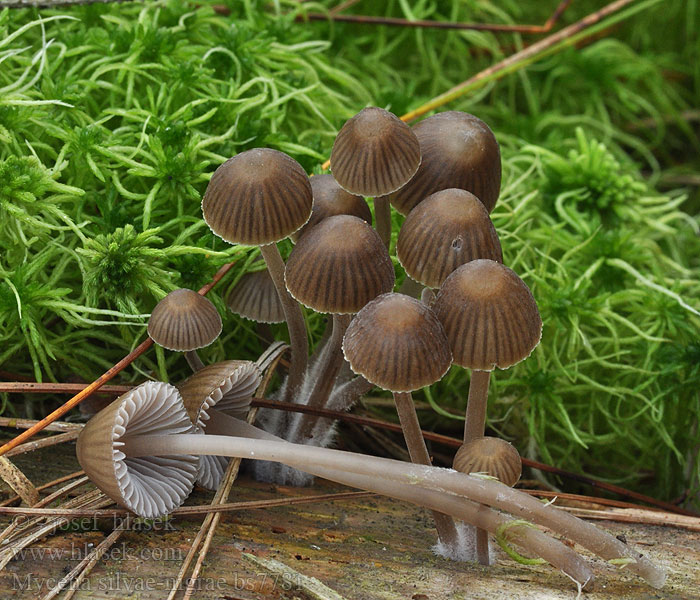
(147, 450)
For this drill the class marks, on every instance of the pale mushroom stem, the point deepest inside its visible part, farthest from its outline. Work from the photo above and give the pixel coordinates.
(298, 339)
(474, 427)
(193, 360)
(533, 540)
(345, 396)
(382, 215)
(417, 450)
(427, 296)
(483, 491)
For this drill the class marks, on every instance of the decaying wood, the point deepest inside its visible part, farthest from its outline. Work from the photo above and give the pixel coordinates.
(18, 481)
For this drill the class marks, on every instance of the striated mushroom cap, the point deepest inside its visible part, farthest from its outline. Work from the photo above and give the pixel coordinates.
(397, 343)
(330, 200)
(489, 315)
(492, 456)
(339, 266)
(184, 320)
(446, 230)
(258, 197)
(375, 153)
(228, 385)
(255, 297)
(458, 151)
(150, 486)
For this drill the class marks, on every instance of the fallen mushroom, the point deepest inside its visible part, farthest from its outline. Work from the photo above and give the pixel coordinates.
(133, 451)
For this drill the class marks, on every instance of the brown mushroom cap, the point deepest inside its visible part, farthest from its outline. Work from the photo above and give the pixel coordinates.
(375, 153)
(330, 200)
(397, 343)
(228, 385)
(339, 266)
(492, 456)
(489, 314)
(459, 151)
(184, 320)
(150, 486)
(449, 228)
(255, 297)
(258, 197)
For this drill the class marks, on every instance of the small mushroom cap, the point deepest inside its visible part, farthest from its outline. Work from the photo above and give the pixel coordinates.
(150, 486)
(339, 266)
(228, 385)
(184, 320)
(258, 197)
(375, 153)
(492, 456)
(459, 151)
(489, 314)
(449, 228)
(330, 200)
(255, 297)
(397, 343)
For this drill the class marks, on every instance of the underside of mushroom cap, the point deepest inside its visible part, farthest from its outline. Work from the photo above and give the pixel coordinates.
(447, 229)
(375, 153)
(258, 197)
(150, 486)
(184, 320)
(397, 343)
(229, 385)
(458, 151)
(489, 315)
(255, 297)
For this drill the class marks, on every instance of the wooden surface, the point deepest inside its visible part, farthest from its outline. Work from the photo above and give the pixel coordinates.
(359, 549)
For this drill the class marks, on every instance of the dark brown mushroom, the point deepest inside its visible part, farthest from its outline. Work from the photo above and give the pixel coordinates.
(337, 267)
(330, 200)
(184, 321)
(492, 456)
(397, 343)
(375, 154)
(446, 230)
(458, 151)
(255, 297)
(260, 197)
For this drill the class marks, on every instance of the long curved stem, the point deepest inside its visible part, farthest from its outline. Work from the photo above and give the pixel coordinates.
(533, 540)
(484, 491)
(382, 217)
(447, 530)
(295, 321)
(474, 427)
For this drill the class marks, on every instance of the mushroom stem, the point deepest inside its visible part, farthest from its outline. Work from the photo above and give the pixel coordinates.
(193, 360)
(295, 321)
(382, 215)
(483, 491)
(475, 423)
(533, 540)
(332, 360)
(347, 394)
(427, 296)
(446, 528)
(474, 427)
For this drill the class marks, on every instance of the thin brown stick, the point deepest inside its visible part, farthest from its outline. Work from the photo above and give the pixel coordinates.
(46, 442)
(32, 387)
(188, 511)
(637, 515)
(101, 380)
(335, 15)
